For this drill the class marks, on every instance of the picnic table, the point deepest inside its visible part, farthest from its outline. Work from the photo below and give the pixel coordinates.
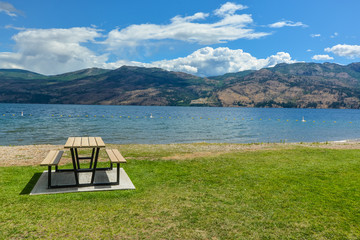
(76, 143)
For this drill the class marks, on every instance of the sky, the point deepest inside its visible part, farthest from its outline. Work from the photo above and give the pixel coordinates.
(200, 37)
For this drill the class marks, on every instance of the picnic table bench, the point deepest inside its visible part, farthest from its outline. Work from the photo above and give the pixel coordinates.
(116, 157)
(52, 159)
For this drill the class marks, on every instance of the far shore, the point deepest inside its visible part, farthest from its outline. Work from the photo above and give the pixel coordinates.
(32, 155)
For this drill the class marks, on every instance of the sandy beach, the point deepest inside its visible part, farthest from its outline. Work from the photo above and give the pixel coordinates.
(30, 155)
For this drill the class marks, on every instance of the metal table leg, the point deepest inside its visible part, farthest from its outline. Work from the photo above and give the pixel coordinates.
(74, 166)
(92, 157)
(95, 163)
(77, 158)
(49, 176)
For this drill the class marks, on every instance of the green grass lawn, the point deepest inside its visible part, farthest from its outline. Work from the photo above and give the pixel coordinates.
(299, 193)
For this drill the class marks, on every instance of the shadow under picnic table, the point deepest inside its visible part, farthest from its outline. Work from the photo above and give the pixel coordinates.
(31, 184)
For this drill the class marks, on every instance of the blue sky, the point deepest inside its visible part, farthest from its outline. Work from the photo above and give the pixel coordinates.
(203, 38)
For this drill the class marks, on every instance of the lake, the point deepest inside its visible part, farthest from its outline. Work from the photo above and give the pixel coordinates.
(22, 124)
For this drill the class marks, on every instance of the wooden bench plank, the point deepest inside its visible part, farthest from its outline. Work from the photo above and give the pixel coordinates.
(69, 143)
(119, 157)
(49, 157)
(100, 142)
(115, 156)
(77, 142)
(111, 155)
(53, 158)
(58, 157)
(85, 142)
(92, 142)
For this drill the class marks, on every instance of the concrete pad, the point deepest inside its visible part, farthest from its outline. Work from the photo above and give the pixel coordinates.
(62, 178)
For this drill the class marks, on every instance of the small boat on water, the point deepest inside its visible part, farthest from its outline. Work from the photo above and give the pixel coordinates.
(151, 116)
(303, 120)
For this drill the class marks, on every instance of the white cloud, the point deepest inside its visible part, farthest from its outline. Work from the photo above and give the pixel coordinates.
(230, 27)
(9, 9)
(51, 51)
(10, 60)
(287, 24)
(196, 16)
(208, 61)
(315, 35)
(229, 8)
(345, 50)
(322, 57)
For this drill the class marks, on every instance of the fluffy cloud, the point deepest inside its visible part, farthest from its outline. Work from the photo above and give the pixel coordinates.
(287, 24)
(51, 51)
(322, 57)
(229, 8)
(230, 27)
(315, 35)
(9, 9)
(345, 50)
(211, 62)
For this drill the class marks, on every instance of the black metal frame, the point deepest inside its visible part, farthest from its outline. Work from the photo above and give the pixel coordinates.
(81, 158)
(76, 169)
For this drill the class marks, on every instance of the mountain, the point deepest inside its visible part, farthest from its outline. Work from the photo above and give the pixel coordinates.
(18, 73)
(122, 86)
(300, 85)
(79, 74)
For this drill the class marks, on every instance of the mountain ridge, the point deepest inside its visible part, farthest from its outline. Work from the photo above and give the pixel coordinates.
(300, 85)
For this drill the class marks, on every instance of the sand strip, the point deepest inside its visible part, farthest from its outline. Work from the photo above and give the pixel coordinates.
(31, 155)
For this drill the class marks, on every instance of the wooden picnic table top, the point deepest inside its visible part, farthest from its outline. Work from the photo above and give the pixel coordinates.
(84, 142)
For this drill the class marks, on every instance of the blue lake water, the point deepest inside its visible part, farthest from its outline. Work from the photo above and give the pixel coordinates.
(52, 124)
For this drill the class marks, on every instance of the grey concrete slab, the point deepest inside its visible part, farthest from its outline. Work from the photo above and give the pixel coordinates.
(41, 187)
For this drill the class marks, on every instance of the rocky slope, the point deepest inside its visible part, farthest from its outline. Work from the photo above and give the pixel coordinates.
(301, 85)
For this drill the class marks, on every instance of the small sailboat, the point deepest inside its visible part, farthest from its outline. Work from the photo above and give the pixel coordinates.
(303, 120)
(22, 114)
(151, 116)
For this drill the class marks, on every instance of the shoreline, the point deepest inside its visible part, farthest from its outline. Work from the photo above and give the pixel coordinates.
(32, 155)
